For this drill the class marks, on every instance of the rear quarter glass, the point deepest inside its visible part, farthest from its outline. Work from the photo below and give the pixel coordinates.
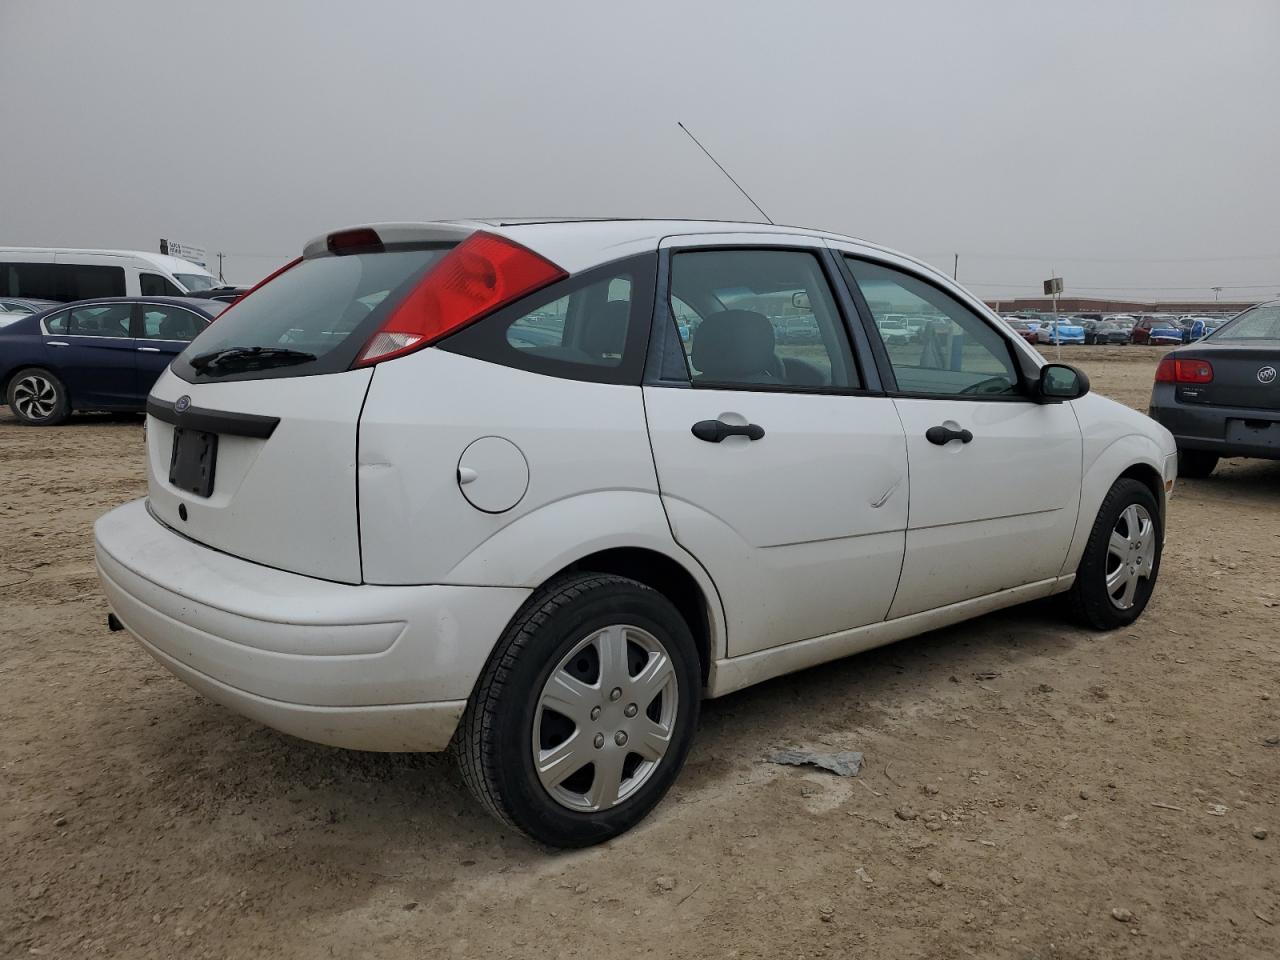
(328, 306)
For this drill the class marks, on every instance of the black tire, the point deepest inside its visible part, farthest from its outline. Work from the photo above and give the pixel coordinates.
(493, 743)
(1089, 602)
(1196, 464)
(33, 390)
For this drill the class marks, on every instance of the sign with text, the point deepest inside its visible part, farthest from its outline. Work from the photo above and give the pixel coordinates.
(186, 251)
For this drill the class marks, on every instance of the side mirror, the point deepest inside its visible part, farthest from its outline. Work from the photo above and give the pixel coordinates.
(800, 300)
(1059, 381)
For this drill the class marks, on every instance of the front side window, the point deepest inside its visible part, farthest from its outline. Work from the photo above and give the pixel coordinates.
(955, 350)
(758, 318)
(163, 322)
(102, 320)
(154, 285)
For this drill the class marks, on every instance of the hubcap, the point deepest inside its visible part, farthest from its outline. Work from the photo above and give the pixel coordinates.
(1131, 551)
(605, 718)
(35, 397)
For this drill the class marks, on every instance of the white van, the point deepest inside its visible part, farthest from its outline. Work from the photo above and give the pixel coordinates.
(65, 275)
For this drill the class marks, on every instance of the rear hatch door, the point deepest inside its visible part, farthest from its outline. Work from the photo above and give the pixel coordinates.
(252, 433)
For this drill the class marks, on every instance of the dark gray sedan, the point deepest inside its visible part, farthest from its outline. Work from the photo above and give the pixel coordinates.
(1220, 397)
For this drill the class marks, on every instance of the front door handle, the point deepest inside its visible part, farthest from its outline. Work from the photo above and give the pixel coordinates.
(56, 343)
(713, 431)
(941, 435)
(148, 349)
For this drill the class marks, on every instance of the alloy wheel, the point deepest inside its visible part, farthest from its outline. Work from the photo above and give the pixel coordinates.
(1131, 552)
(35, 397)
(605, 718)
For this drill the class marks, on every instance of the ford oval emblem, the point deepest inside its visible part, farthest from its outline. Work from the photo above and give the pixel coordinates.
(1267, 375)
(184, 402)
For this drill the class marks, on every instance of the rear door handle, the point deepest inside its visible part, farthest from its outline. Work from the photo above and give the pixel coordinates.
(942, 435)
(148, 349)
(713, 431)
(56, 343)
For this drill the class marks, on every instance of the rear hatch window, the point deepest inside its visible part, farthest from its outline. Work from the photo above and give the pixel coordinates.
(311, 319)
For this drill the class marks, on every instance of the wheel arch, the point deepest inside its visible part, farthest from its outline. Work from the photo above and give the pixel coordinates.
(1133, 456)
(669, 578)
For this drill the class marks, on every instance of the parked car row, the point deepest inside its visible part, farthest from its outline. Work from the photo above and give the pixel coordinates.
(1157, 329)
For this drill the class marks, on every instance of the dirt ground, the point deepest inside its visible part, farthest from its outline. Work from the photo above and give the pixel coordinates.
(1048, 775)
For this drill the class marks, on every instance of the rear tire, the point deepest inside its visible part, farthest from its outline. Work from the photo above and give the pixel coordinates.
(1124, 550)
(1196, 464)
(38, 398)
(568, 779)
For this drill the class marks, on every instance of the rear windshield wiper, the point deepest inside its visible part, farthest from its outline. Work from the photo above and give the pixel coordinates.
(229, 360)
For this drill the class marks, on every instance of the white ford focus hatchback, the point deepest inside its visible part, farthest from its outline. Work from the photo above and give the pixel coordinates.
(532, 490)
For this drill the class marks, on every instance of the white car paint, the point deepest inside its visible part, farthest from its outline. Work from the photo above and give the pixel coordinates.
(352, 520)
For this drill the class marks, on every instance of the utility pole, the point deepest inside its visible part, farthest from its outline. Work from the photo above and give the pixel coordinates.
(220, 280)
(955, 268)
(1216, 291)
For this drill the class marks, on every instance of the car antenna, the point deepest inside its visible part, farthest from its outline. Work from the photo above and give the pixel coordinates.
(724, 171)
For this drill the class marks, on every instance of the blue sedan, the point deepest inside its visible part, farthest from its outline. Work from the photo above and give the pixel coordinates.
(95, 354)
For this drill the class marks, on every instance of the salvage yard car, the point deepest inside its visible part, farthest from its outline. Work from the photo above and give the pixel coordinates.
(381, 516)
(1220, 397)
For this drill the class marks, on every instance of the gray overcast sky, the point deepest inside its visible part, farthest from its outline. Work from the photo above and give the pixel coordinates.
(1126, 144)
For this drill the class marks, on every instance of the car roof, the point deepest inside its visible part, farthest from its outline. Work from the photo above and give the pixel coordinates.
(197, 303)
(576, 243)
(161, 260)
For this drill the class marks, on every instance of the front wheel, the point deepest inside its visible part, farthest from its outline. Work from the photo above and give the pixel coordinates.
(38, 398)
(584, 715)
(1121, 561)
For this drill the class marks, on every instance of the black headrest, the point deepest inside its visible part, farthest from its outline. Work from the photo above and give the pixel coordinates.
(606, 330)
(734, 344)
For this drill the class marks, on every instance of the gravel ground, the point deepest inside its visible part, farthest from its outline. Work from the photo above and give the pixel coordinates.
(1027, 783)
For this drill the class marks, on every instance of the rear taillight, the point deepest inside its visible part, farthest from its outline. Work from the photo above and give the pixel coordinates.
(476, 277)
(1178, 370)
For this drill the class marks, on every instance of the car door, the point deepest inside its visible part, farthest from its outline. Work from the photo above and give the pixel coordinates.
(98, 361)
(782, 467)
(995, 475)
(163, 332)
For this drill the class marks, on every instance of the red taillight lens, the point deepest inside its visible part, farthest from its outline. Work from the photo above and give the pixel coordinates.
(1178, 370)
(476, 277)
(261, 283)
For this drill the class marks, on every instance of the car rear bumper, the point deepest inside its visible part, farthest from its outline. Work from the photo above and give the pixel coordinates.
(365, 667)
(1208, 428)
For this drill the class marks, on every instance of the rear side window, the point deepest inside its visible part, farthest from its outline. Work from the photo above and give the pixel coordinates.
(103, 320)
(163, 322)
(759, 319)
(57, 324)
(590, 327)
(38, 280)
(154, 285)
(326, 307)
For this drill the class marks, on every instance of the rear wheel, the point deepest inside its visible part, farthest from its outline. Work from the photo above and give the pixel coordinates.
(585, 712)
(37, 397)
(1121, 561)
(1196, 464)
